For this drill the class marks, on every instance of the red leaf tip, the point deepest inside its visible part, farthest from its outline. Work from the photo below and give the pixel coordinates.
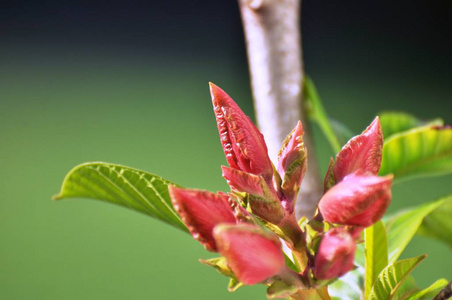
(362, 153)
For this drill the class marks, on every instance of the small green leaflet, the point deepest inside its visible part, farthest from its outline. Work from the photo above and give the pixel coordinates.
(403, 226)
(376, 251)
(429, 292)
(390, 279)
(317, 113)
(418, 152)
(438, 223)
(279, 289)
(131, 188)
(393, 122)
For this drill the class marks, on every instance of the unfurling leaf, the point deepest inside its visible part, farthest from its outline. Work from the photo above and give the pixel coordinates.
(262, 198)
(131, 188)
(201, 211)
(362, 153)
(335, 255)
(243, 143)
(390, 279)
(358, 200)
(279, 289)
(292, 162)
(252, 254)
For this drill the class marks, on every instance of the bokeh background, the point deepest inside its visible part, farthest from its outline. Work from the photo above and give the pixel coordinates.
(126, 82)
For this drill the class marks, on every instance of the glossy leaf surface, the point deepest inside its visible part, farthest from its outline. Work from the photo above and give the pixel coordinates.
(418, 152)
(390, 279)
(438, 224)
(376, 249)
(393, 122)
(131, 188)
(402, 227)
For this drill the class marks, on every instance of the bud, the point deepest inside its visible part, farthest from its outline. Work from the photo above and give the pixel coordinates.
(242, 142)
(253, 254)
(335, 255)
(362, 153)
(359, 200)
(292, 162)
(201, 211)
(262, 198)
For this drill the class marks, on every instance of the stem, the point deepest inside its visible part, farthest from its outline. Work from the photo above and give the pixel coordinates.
(445, 293)
(290, 228)
(273, 39)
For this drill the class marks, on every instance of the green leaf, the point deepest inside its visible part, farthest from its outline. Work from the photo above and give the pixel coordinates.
(403, 226)
(376, 251)
(407, 288)
(429, 292)
(134, 189)
(393, 122)
(418, 152)
(220, 264)
(438, 223)
(279, 289)
(390, 279)
(317, 113)
(291, 264)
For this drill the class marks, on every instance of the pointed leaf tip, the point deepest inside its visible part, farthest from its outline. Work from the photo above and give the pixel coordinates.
(252, 254)
(292, 162)
(131, 188)
(201, 211)
(242, 142)
(362, 153)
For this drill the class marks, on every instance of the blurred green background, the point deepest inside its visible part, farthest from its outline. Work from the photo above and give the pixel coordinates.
(127, 83)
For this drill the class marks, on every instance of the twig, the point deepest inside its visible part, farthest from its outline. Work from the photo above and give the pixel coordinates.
(272, 31)
(445, 293)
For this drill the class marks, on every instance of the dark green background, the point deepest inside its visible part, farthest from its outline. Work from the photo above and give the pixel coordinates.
(127, 83)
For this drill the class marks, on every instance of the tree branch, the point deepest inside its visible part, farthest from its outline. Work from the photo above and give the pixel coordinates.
(273, 39)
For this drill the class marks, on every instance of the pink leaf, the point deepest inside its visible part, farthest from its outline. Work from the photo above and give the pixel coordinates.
(359, 200)
(292, 162)
(201, 211)
(242, 142)
(253, 254)
(335, 255)
(361, 153)
(263, 199)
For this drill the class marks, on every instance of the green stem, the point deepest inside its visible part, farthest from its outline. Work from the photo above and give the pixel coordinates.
(292, 230)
